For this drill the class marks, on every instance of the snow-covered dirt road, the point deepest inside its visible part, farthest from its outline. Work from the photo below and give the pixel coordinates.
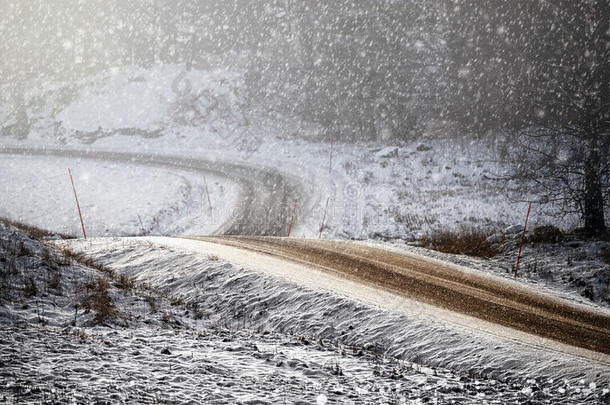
(266, 292)
(447, 286)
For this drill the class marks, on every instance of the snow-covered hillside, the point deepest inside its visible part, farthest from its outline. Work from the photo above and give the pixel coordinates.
(151, 99)
(374, 191)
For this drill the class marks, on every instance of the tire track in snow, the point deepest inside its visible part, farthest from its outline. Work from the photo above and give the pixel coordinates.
(446, 286)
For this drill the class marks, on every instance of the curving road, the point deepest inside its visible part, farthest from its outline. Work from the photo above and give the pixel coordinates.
(265, 208)
(266, 196)
(444, 285)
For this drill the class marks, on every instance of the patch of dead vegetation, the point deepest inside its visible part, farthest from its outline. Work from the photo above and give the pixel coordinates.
(80, 258)
(98, 300)
(468, 241)
(33, 232)
(124, 282)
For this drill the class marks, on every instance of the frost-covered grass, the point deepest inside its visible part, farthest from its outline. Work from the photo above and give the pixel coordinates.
(156, 346)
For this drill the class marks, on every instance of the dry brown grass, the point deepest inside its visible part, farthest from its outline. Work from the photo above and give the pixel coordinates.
(468, 241)
(125, 282)
(99, 301)
(32, 231)
(83, 259)
(121, 281)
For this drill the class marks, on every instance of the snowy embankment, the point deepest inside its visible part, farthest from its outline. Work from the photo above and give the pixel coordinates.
(243, 296)
(72, 333)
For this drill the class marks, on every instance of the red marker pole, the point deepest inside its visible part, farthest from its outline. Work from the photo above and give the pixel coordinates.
(77, 204)
(523, 239)
(294, 210)
(141, 225)
(323, 218)
(330, 159)
(207, 192)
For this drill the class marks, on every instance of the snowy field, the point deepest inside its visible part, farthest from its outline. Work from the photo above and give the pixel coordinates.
(113, 197)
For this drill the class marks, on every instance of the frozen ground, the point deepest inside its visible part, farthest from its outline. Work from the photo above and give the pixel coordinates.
(114, 198)
(157, 347)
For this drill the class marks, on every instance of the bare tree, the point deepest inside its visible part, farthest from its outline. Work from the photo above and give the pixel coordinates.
(541, 69)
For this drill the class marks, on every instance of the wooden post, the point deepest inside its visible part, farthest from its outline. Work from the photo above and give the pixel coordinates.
(294, 210)
(523, 239)
(323, 218)
(77, 204)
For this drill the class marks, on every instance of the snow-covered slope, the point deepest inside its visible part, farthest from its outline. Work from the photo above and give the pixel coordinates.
(150, 99)
(242, 296)
(153, 347)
